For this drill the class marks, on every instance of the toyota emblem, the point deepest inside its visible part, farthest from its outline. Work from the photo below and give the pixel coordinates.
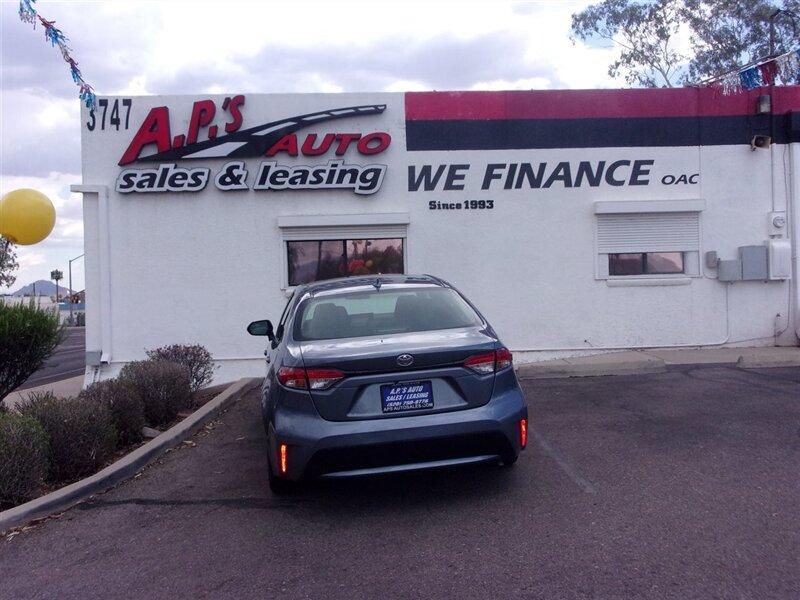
(405, 360)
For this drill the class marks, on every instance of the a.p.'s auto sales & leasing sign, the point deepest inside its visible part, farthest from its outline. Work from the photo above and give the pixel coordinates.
(271, 140)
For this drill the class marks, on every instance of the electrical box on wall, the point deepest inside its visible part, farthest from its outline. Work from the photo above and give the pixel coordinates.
(754, 262)
(777, 223)
(729, 270)
(779, 252)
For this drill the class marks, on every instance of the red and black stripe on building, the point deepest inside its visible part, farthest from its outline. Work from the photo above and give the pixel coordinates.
(597, 118)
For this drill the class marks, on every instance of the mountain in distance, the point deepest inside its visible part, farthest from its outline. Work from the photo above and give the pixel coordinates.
(43, 288)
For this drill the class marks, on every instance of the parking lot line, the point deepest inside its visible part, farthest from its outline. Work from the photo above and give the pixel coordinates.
(564, 464)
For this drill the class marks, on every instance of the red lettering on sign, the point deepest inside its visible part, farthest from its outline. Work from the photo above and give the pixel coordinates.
(345, 139)
(366, 144)
(287, 143)
(232, 105)
(154, 130)
(308, 145)
(202, 114)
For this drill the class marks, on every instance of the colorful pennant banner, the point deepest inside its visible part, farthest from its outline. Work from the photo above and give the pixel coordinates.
(784, 69)
(56, 37)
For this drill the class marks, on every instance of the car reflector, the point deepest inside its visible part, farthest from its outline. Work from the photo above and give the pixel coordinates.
(284, 451)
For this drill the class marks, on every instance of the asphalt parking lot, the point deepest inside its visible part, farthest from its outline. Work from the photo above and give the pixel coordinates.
(68, 360)
(683, 484)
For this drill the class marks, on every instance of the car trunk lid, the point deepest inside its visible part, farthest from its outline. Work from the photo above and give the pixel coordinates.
(372, 362)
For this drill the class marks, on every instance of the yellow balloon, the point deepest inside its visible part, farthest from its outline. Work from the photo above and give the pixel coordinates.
(26, 216)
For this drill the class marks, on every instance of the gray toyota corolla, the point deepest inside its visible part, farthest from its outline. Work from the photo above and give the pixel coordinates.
(387, 373)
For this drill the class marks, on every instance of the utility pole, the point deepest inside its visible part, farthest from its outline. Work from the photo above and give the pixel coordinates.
(71, 291)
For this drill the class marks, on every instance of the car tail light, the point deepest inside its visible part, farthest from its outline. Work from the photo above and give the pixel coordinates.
(293, 377)
(481, 363)
(504, 359)
(523, 433)
(284, 456)
(489, 362)
(322, 379)
(308, 379)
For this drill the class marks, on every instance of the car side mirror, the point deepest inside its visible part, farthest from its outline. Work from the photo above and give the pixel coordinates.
(263, 327)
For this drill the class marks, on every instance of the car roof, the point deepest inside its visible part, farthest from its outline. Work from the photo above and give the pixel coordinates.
(342, 283)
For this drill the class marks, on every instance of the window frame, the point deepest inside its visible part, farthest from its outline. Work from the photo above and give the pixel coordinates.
(336, 227)
(280, 329)
(300, 309)
(644, 272)
(691, 255)
(346, 248)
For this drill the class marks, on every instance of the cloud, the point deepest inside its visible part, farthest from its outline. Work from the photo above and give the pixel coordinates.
(170, 47)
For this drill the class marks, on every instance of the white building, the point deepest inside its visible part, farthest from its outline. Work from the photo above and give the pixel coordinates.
(578, 221)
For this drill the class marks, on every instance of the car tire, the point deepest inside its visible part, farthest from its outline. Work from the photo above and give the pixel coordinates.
(509, 460)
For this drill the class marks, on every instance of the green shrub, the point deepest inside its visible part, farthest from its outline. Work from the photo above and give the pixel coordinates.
(194, 357)
(28, 336)
(127, 408)
(23, 458)
(163, 387)
(81, 432)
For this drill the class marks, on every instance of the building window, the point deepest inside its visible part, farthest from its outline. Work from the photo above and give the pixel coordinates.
(648, 242)
(646, 263)
(316, 260)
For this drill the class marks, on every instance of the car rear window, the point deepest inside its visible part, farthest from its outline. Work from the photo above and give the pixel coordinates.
(381, 312)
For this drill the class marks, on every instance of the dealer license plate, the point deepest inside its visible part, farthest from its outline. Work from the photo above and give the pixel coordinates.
(400, 397)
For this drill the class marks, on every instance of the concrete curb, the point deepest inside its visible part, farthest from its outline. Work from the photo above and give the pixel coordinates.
(659, 361)
(565, 369)
(755, 362)
(128, 465)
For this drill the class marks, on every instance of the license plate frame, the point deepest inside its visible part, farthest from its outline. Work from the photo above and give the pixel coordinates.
(394, 396)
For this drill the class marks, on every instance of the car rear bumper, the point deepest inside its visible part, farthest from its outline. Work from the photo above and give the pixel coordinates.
(320, 448)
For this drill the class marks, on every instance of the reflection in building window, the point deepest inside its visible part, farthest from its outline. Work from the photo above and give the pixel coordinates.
(646, 263)
(326, 259)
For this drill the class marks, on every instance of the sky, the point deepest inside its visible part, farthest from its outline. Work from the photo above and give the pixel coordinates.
(193, 47)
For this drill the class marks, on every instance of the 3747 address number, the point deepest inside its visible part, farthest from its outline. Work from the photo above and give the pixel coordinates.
(115, 118)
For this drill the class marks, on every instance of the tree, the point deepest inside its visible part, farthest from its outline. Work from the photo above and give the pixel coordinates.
(8, 263)
(724, 34)
(645, 33)
(730, 33)
(28, 336)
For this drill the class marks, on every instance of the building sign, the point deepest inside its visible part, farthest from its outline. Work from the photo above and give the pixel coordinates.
(274, 140)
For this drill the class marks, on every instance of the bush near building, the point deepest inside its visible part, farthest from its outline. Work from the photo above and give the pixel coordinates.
(127, 408)
(58, 440)
(163, 387)
(28, 336)
(81, 433)
(194, 357)
(23, 458)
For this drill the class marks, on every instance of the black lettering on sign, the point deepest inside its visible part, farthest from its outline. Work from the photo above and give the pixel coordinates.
(114, 118)
(426, 179)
